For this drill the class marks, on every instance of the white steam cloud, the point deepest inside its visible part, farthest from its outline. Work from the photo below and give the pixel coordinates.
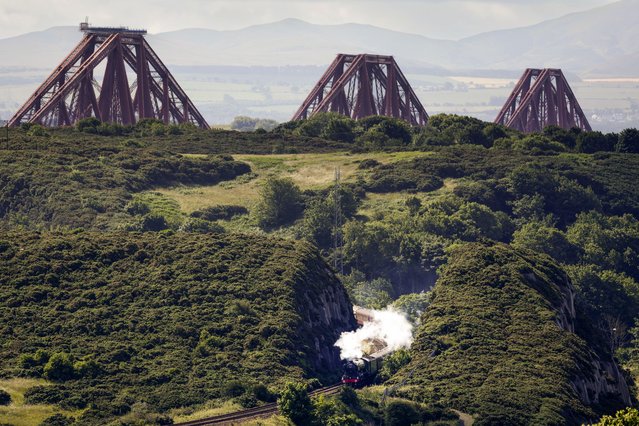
(388, 325)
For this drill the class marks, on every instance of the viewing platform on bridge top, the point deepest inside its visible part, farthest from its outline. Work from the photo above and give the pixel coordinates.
(86, 28)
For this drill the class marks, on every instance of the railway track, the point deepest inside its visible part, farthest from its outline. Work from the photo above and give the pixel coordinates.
(253, 413)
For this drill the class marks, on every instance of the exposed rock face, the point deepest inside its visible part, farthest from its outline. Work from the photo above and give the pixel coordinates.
(511, 345)
(601, 377)
(326, 312)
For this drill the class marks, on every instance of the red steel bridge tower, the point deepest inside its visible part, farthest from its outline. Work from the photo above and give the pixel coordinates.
(541, 98)
(72, 92)
(359, 86)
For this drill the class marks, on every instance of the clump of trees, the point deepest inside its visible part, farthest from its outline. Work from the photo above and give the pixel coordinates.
(249, 124)
(380, 132)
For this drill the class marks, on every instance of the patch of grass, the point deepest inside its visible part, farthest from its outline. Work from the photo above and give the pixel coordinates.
(308, 171)
(159, 203)
(20, 414)
(209, 409)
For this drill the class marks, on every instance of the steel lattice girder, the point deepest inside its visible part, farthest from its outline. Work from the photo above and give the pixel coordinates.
(359, 86)
(541, 98)
(71, 92)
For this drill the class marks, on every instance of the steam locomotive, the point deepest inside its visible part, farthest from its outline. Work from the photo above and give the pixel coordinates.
(363, 371)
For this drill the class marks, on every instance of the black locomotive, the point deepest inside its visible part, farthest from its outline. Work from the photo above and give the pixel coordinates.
(362, 371)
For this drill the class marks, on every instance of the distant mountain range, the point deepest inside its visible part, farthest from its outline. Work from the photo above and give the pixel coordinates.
(598, 42)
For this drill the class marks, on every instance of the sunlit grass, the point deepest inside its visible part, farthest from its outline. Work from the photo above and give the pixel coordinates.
(209, 409)
(20, 414)
(308, 171)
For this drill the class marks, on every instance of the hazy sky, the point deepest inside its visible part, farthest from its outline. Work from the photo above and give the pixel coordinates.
(433, 18)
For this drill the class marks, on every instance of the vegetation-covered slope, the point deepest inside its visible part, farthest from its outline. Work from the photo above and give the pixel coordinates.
(86, 186)
(506, 335)
(169, 320)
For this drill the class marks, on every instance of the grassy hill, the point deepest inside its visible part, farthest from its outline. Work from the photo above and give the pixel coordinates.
(112, 322)
(507, 341)
(119, 319)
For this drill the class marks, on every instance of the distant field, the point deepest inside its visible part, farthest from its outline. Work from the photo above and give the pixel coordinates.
(221, 96)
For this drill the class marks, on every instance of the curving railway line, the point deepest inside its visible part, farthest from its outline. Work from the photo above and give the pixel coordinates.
(252, 413)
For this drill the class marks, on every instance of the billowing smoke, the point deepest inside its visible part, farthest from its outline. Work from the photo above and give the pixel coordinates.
(388, 325)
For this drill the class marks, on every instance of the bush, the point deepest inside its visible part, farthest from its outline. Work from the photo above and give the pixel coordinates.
(295, 404)
(5, 398)
(233, 389)
(57, 420)
(536, 144)
(401, 413)
(226, 212)
(628, 141)
(591, 142)
(280, 203)
(153, 222)
(626, 417)
(37, 130)
(59, 367)
(369, 163)
(262, 393)
(88, 125)
(339, 129)
(50, 395)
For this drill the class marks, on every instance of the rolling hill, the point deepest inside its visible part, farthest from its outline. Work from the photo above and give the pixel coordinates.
(599, 41)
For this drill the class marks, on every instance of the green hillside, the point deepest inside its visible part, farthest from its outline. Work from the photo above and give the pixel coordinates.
(501, 323)
(169, 320)
(151, 271)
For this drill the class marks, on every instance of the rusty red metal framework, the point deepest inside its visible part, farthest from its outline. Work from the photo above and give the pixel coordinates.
(71, 92)
(359, 86)
(541, 98)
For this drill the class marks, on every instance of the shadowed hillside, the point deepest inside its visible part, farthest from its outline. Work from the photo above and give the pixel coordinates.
(168, 320)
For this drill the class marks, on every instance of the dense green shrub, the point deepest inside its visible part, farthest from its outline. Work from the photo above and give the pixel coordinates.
(369, 163)
(401, 413)
(165, 319)
(591, 142)
(542, 238)
(628, 141)
(499, 351)
(295, 404)
(626, 417)
(59, 367)
(57, 420)
(280, 203)
(225, 212)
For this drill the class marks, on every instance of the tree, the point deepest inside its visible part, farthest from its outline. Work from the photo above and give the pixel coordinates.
(413, 305)
(558, 134)
(626, 417)
(393, 362)
(401, 413)
(295, 403)
(280, 203)
(628, 141)
(339, 129)
(540, 237)
(590, 142)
